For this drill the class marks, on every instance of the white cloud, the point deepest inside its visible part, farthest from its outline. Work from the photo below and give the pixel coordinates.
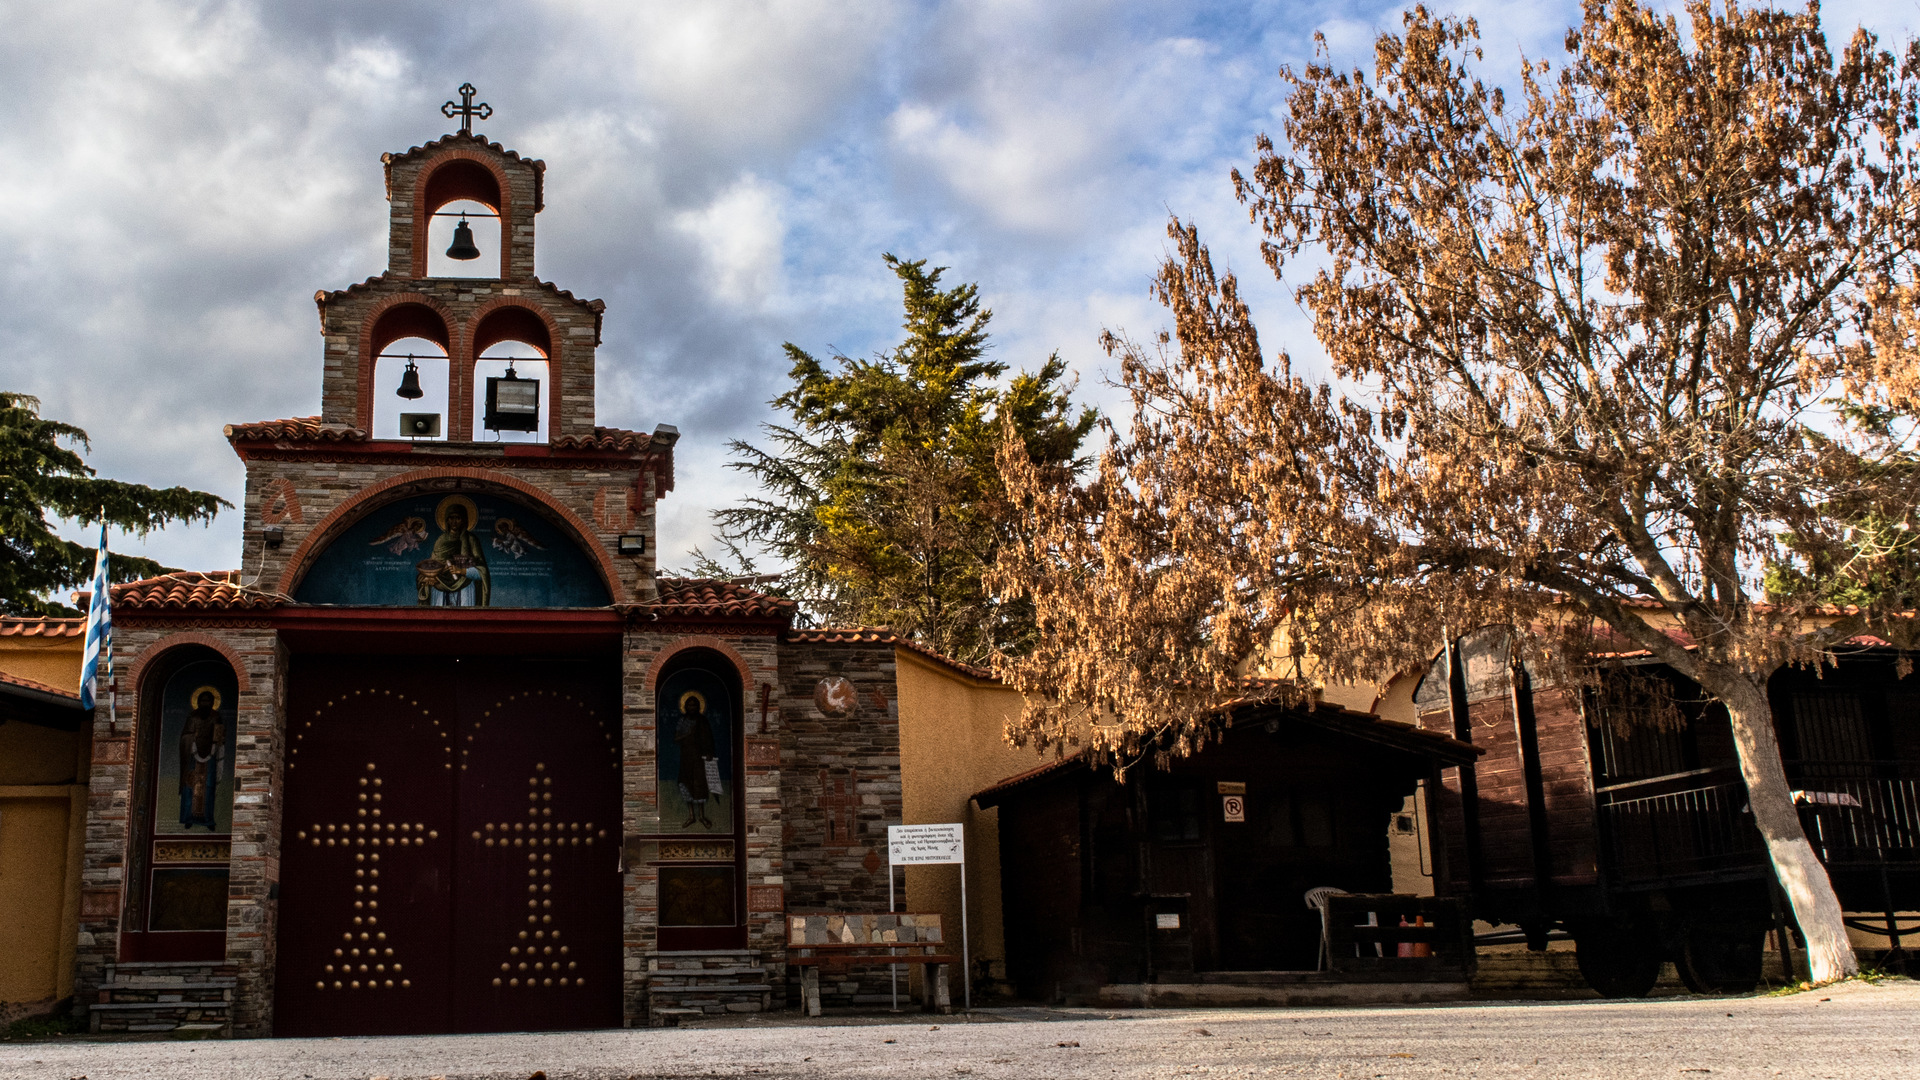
(741, 236)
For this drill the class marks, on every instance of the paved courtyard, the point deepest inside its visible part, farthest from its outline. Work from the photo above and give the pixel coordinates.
(1853, 1030)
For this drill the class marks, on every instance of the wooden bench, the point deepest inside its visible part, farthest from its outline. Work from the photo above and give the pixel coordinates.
(847, 939)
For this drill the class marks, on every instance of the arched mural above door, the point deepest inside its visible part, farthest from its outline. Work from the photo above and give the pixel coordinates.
(459, 549)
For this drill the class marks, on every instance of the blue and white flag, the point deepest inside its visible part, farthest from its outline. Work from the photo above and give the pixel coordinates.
(99, 627)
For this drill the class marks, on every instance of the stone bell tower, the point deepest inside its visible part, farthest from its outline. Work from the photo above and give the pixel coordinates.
(464, 315)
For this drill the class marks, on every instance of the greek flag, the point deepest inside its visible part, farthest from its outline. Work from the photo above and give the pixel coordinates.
(99, 627)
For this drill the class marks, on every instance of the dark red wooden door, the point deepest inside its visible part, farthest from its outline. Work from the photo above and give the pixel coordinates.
(458, 820)
(538, 906)
(367, 850)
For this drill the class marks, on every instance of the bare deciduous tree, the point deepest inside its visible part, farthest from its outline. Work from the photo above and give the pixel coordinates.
(1586, 345)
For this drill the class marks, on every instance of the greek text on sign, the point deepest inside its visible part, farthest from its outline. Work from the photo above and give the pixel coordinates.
(923, 845)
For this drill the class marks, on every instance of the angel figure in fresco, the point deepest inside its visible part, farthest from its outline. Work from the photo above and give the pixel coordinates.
(203, 745)
(404, 537)
(509, 537)
(457, 561)
(694, 738)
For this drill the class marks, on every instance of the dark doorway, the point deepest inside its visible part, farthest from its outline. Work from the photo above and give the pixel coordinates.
(450, 846)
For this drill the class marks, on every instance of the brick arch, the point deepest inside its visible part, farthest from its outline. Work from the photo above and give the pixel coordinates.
(329, 527)
(420, 210)
(186, 638)
(456, 347)
(556, 344)
(701, 641)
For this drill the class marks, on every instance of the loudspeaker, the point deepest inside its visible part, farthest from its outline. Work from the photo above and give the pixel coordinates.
(420, 425)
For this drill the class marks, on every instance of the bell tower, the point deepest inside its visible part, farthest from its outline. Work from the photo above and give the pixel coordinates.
(450, 319)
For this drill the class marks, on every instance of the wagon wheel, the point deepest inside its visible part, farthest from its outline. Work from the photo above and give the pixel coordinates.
(1618, 960)
(1719, 960)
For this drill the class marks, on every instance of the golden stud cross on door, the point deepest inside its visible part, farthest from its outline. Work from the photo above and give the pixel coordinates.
(536, 957)
(365, 959)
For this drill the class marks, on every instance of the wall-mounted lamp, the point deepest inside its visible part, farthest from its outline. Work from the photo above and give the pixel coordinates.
(633, 543)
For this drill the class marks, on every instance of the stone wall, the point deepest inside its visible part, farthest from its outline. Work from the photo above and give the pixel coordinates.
(143, 650)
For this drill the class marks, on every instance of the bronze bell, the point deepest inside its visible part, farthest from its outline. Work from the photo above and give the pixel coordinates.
(410, 382)
(462, 247)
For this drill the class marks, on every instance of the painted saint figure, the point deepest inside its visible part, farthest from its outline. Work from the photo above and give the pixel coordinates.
(457, 560)
(203, 745)
(694, 738)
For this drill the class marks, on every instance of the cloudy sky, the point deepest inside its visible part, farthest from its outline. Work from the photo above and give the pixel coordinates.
(181, 177)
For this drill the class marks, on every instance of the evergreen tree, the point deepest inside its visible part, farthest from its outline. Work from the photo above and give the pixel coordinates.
(880, 491)
(41, 474)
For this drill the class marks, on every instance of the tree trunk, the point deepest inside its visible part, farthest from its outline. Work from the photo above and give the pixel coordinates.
(1815, 906)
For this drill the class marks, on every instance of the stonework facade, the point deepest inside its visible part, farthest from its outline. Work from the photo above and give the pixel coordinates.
(817, 776)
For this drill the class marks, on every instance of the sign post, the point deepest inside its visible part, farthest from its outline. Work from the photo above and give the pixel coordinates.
(934, 845)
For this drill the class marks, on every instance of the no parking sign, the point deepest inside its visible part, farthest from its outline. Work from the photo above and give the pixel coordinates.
(1233, 801)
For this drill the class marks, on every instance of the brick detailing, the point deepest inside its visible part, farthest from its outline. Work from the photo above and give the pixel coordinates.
(610, 509)
(365, 498)
(839, 801)
(701, 641)
(182, 638)
(280, 503)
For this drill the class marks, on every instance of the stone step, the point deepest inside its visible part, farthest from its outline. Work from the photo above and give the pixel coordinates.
(710, 972)
(151, 1005)
(145, 985)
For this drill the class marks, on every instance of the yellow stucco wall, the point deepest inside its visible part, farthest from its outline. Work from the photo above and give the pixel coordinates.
(951, 745)
(53, 661)
(43, 774)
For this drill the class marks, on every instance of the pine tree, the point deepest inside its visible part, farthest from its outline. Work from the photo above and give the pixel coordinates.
(40, 473)
(880, 491)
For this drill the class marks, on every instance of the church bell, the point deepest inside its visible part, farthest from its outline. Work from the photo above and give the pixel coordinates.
(462, 247)
(410, 380)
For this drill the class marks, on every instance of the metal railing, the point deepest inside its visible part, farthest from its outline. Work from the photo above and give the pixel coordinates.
(1698, 824)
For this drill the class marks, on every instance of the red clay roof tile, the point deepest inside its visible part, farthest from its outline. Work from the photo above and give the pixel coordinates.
(295, 429)
(43, 628)
(711, 597)
(190, 590)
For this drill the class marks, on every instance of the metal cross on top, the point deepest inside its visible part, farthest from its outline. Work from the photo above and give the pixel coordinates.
(466, 110)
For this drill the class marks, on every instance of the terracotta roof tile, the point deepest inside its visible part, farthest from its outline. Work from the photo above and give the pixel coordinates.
(43, 628)
(604, 439)
(711, 598)
(296, 429)
(469, 139)
(191, 590)
(878, 634)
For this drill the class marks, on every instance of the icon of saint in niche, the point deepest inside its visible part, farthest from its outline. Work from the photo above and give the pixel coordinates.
(699, 772)
(455, 575)
(203, 746)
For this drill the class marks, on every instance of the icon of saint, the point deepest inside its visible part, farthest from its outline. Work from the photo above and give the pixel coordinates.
(457, 561)
(203, 745)
(693, 735)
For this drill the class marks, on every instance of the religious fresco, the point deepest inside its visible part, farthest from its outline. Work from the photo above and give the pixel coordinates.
(460, 550)
(193, 776)
(695, 721)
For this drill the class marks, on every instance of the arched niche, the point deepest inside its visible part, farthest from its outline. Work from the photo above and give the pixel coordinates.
(699, 709)
(183, 806)
(458, 185)
(441, 549)
(512, 339)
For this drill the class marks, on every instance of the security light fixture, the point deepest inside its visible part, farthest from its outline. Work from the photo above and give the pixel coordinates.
(633, 543)
(513, 403)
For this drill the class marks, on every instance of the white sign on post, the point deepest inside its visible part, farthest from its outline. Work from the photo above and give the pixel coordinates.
(926, 845)
(934, 845)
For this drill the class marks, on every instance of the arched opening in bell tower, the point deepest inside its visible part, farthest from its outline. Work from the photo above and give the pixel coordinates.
(411, 373)
(464, 237)
(511, 347)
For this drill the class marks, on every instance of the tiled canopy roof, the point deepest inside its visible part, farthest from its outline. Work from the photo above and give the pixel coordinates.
(190, 590)
(18, 683)
(43, 628)
(714, 598)
(604, 438)
(881, 635)
(296, 429)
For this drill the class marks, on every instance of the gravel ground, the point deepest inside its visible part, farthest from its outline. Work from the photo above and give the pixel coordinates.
(1846, 1031)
